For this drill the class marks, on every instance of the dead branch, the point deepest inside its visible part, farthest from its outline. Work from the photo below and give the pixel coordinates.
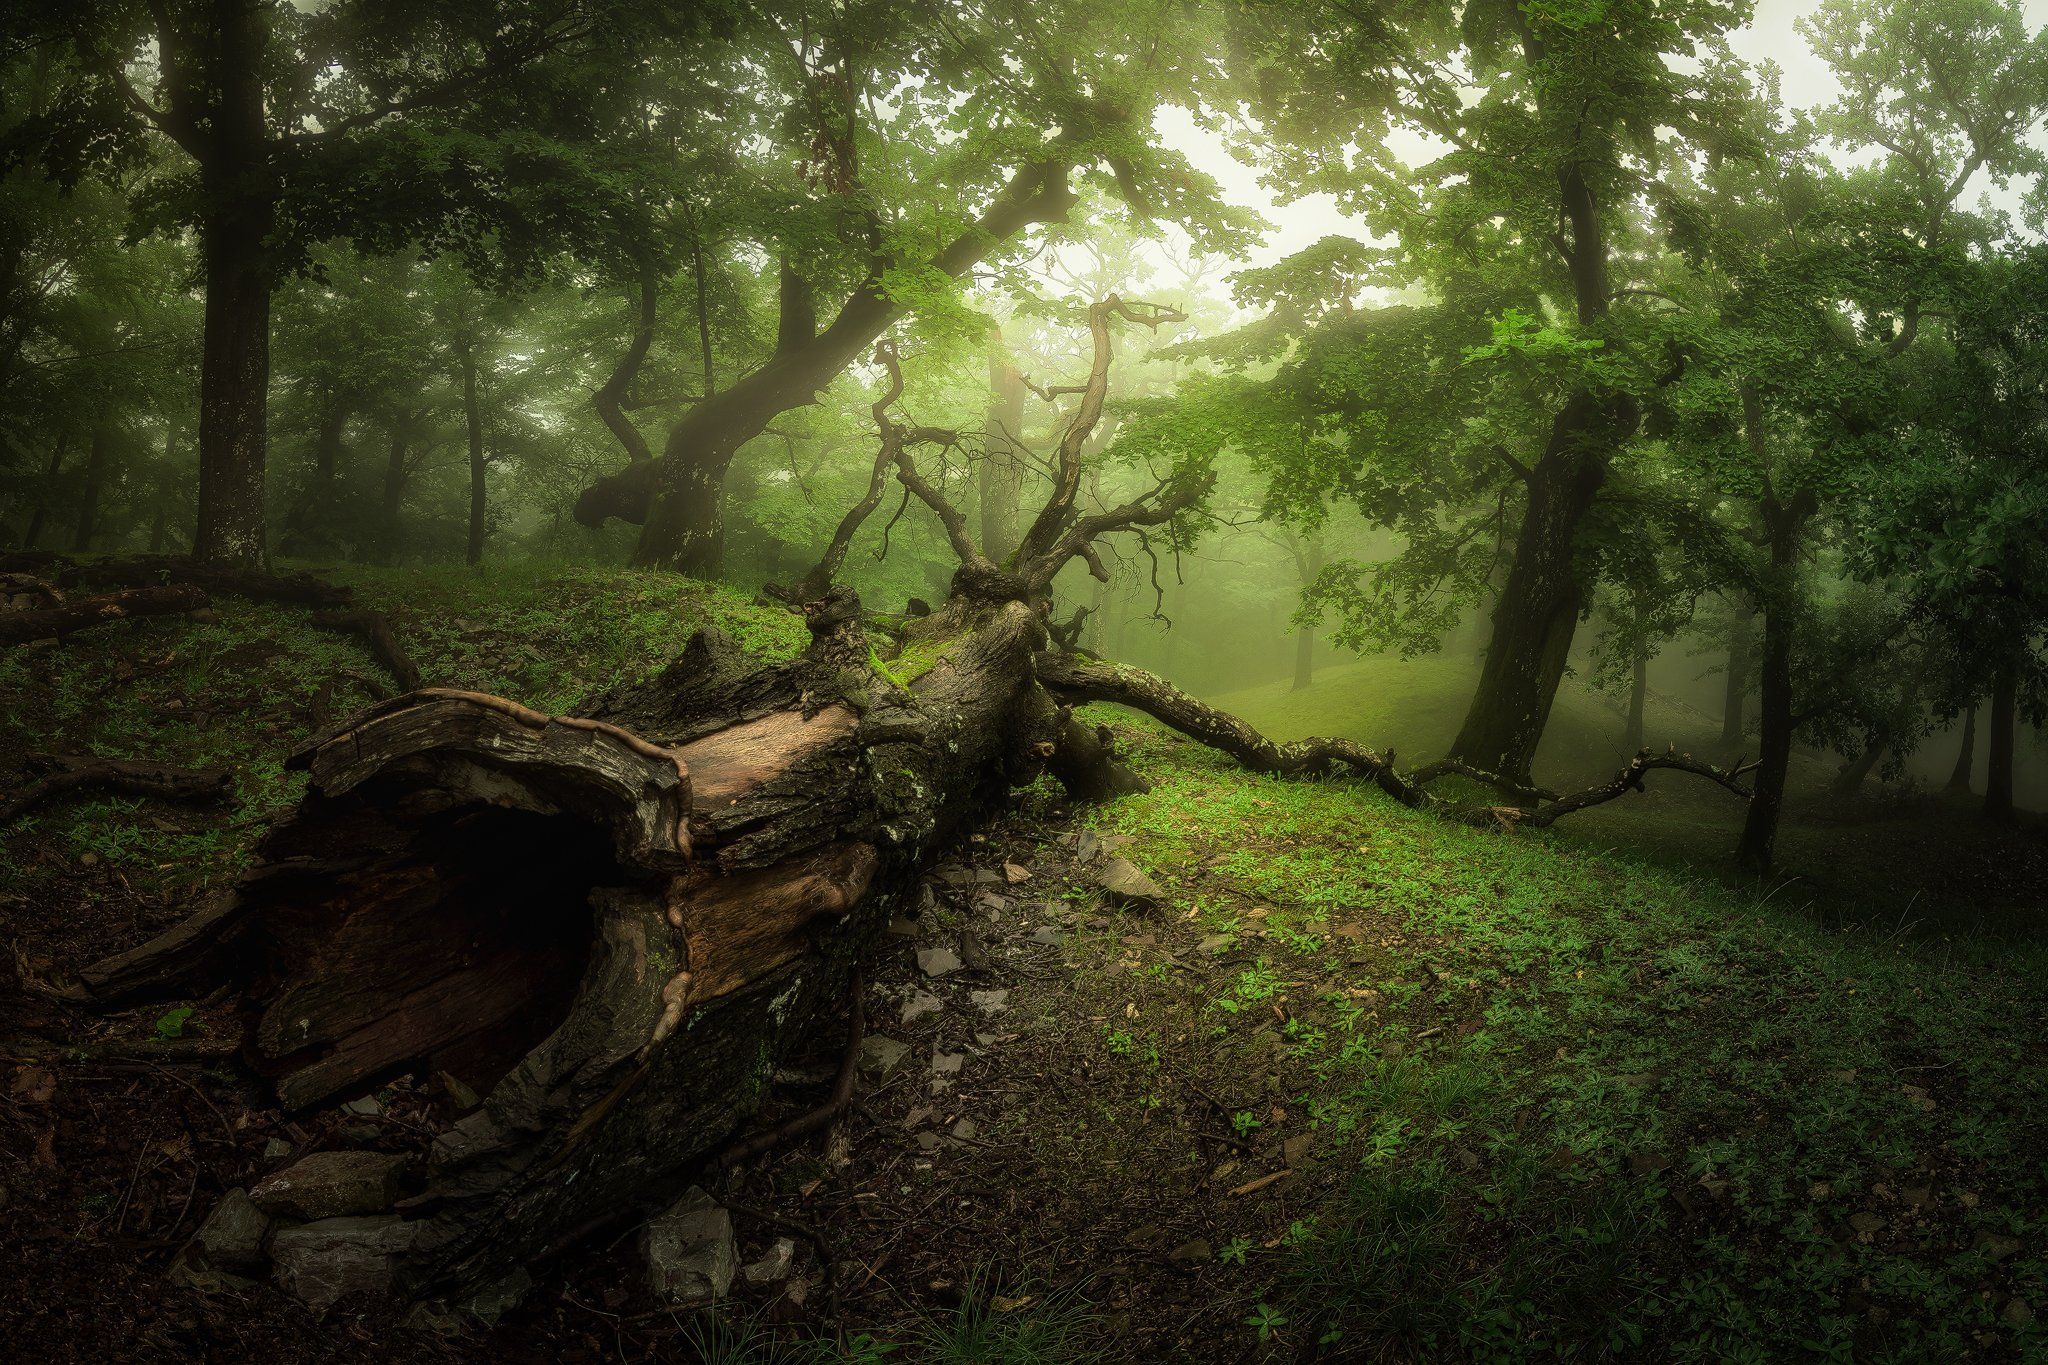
(70, 772)
(45, 623)
(1627, 780)
(1076, 679)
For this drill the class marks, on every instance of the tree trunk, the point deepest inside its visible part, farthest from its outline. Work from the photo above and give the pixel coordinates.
(610, 399)
(1735, 689)
(1966, 755)
(396, 472)
(1638, 693)
(610, 925)
(472, 416)
(1759, 838)
(306, 532)
(34, 532)
(676, 498)
(1998, 804)
(1538, 609)
(1304, 659)
(98, 457)
(1849, 777)
(1783, 526)
(1000, 475)
(1309, 562)
(234, 377)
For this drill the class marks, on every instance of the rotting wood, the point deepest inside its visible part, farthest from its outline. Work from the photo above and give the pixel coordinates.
(50, 623)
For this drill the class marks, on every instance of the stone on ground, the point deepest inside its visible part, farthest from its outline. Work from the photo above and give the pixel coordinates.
(323, 1262)
(1123, 883)
(773, 1266)
(331, 1185)
(937, 961)
(233, 1234)
(689, 1250)
(881, 1057)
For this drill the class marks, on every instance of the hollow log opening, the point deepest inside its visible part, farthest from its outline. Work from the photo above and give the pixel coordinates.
(456, 953)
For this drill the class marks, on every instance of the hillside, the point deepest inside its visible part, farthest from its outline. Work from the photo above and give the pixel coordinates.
(1358, 1078)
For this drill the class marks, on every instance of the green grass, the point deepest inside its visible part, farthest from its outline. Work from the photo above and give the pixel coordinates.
(1920, 860)
(241, 693)
(1595, 1108)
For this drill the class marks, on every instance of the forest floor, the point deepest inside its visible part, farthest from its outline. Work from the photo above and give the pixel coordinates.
(1361, 1084)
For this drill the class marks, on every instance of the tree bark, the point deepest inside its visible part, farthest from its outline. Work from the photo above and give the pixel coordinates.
(1000, 476)
(47, 623)
(1849, 778)
(611, 925)
(306, 529)
(98, 457)
(1998, 767)
(1783, 527)
(1539, 605)
(610, 399)
(34, 531)
(234, 376)
(396, 472)
(1735, 684)
(1966, 754)
(1638, 694)
(676, 498)
(472, 416)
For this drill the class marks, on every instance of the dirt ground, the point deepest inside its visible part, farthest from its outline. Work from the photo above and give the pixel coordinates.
(1003, 1149)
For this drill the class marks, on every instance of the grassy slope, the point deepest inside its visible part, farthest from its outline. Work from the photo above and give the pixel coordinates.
(1912, 858)
(245, 692)
(1592, 1107)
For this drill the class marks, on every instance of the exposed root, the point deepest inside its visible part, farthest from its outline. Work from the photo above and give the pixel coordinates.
(48, 623)
(69, 772)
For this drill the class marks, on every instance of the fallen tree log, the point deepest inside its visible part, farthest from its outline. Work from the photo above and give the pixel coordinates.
(609, 925)
(60, 773)
(45, 623)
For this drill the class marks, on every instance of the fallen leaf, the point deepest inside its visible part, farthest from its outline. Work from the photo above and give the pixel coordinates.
(1260, 1183)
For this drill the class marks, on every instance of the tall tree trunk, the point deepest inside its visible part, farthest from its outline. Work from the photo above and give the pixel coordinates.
(1758, 843)
(1998, 804)
(1000, 476)
(234, 374)
(1849, 778)
(1735, 689)
(1966, 755)
(36, 518)
(1638, 694)
(1308, 561)
(610, 399)
(703, 319)
(396, 472)
(472, 415)
(677, 497)
(1539, 605)
(306, 530)
(97, 461)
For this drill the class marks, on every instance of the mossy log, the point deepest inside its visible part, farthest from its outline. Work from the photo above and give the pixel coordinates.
(608, 925)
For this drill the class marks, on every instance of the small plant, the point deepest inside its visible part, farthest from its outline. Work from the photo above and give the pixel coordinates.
(173, 1024)
(1267, 1321)
(1245, 1122)
(1234, 1251)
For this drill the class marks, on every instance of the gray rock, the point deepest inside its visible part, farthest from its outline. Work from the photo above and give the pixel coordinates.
(1216, 944)
(881, 1057)
(921, 1004)
(773, 1266)
(948, 1063)
(331, 1185)
(937, 961)
(277, 1149)
(323, 1262)
(1048, 936)
(233, 1234)
(1123, 883)
(1191, 1253)
(689, 1250)
(990, 1002)
(493, 1301)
